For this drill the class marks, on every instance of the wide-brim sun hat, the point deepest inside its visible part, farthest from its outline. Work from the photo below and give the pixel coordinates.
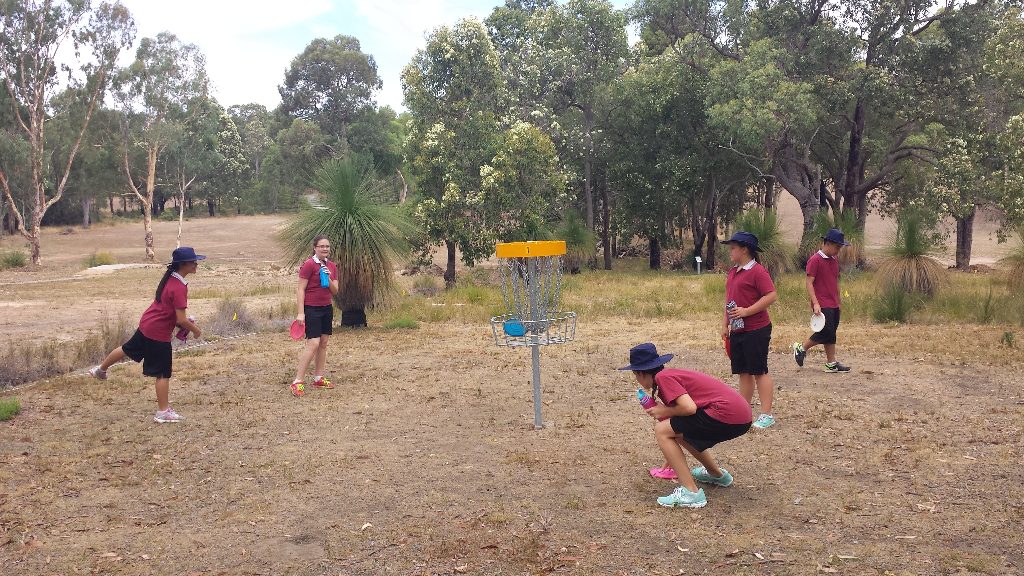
(744, 238)
(185, 254)
(645, 357)
(835, 236)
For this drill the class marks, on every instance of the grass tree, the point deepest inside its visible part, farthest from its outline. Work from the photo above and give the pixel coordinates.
(1015, 262)
(775, 255)
(908, 265)
(580, 241)
(846, 221)
(368, 238)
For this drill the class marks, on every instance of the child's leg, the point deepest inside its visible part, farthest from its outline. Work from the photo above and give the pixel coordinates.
(830, 352)
(115, 356)
(747, 386)
(321, 355)
(163, 387)
(809, 344)
(673, 452)
(312, 345)
(765, 392)
(704, 457)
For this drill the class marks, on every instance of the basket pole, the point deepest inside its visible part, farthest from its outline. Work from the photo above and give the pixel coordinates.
(534, 288)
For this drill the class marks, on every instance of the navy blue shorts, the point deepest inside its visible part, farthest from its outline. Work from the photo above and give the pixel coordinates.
(155, 355)
(750, 351)
(827, 335)
(319, 321)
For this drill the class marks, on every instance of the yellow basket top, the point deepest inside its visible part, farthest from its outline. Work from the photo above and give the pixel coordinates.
(534, 249)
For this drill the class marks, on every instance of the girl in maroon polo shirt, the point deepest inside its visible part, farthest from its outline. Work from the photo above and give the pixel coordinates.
(749, 291)
(151, 343)
(696, 412)
(316, 313)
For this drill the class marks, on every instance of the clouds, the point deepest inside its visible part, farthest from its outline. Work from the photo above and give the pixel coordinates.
(247, 44)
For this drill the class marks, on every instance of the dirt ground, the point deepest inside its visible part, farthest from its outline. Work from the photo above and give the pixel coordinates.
(424, 460)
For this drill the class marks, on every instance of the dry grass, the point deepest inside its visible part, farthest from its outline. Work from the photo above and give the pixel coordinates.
(488, 494)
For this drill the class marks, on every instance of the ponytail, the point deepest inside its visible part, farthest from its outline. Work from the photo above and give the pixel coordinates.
(654, 372)
(171, 268)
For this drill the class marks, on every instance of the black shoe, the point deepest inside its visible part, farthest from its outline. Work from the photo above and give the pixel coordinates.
(836, 367)
(799, 354)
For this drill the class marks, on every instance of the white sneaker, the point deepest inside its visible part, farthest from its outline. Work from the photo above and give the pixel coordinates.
(168, 416)
(97, 373)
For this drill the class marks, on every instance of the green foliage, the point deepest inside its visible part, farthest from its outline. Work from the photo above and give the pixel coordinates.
(1015, 262)
(402, 323)
(367, 238)
(1008, 339)
(330, 82)
(9, 408)
(580, 241)
(100, 259)
(907, 265)
(894, 305)
(13, 259)
(846, 221)
(775, 255)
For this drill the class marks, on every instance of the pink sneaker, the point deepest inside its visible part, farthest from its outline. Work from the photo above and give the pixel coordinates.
(95, 372)
(168, 416)
(666, 473)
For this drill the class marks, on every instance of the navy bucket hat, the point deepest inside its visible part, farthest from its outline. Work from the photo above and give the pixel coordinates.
(645, 357)
(185, 254)
(835, 236)
(745, 238)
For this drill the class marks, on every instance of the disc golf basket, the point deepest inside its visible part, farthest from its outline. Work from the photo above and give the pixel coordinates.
(531, 284)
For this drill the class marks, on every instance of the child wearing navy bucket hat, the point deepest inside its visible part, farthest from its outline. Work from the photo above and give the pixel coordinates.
(151, 343)
(696, 412)
(823, 290)
(749, 291)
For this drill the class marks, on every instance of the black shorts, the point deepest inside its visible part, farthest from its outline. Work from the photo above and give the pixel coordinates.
(750, 351)
(319, 321)
(828, 333)
(702, 431)
(154, 355)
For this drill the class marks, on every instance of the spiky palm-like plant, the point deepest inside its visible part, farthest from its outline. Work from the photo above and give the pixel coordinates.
(1015, 262)
(580, 241)
(908, 265)
(368, 238)
(850, 256)
(775, 255)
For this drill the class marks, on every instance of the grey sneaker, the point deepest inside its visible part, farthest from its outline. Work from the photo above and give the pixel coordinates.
(799, 353)
(701, 474)
(98, 374)
(168, 416)
(683, 498)
(836, 367)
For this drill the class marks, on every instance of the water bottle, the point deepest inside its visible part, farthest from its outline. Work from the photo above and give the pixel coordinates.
(734, 323)
(645, 399)
(183, 333)
(325, 277)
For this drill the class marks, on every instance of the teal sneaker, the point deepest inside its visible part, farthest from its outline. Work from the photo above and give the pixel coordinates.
(683, 498)
(701, 474)
(764, 421)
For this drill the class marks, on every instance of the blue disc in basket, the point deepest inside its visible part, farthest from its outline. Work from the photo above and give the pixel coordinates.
(514, 328)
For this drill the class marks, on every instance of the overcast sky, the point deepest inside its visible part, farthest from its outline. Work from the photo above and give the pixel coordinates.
(249, 44)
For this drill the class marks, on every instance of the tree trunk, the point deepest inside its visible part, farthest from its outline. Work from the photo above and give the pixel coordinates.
(111, 199)
(964, 240)
(124, 204)
(606, 224)
(588, 160)
(855, 164)
(353, 318)
(147, 224)
(769, 193)
(404, 193)
(210, 207)
(655, 248)
(86, 209)
(449, 271)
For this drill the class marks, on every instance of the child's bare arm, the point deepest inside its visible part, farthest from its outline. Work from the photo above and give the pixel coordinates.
(181, 318)
(682, 406)
(814, 297)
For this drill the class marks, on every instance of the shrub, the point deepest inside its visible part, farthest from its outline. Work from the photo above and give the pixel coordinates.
(1015, 262)
(9, 408)
(775, 255)
(907, 265)
(232, 318)
(580, 241)
(894, 305)
(100, 259)
(15, 259)
(402, 322)
(426, 285)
